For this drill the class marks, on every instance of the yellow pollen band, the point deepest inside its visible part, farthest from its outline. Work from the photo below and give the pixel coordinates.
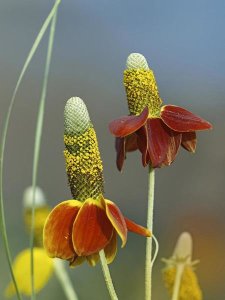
(83, 165)
(142, 91)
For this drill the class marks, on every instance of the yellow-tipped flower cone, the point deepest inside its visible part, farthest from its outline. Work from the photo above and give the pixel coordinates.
(179, 276)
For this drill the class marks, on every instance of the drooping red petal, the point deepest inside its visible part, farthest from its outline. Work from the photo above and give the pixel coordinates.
(142, 142)
(174, 145)
(182, 120)
(111, 248)
(128, 124)
(133, 227)
(189, 141)
(131, 142)
(57, 233)
(124, 145)
(120, 150)
(158, 141)
(116, 218)
(92, 229)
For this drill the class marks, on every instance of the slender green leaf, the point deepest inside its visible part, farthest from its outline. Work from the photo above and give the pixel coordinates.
(4, 135)
(37, 143)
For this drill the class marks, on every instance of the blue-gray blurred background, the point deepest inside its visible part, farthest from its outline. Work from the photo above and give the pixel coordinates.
(185, 46)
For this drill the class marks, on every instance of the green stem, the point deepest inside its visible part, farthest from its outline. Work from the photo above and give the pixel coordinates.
(148, 261)
(64, 279)
(37, 143)
(106, 273)
(4, 135)
(176, 287)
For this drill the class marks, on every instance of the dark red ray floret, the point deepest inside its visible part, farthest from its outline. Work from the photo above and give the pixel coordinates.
(120, 152)
(189, 141)
(128, 124)
(182, 120)
(158, 141)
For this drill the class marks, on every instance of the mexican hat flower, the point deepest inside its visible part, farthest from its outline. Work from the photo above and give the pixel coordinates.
(78, 229)
(156, 130)
(179, 275)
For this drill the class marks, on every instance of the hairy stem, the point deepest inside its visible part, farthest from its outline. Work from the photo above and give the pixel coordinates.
(148, 261)
(106, 273)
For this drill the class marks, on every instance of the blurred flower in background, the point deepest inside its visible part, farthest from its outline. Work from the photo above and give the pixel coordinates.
(179, 276)
(43, 265)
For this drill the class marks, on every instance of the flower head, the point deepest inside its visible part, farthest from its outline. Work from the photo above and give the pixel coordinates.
(78, 229)
(179, 269)
(156, 130)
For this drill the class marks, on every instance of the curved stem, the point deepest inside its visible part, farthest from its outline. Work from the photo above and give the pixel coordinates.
(156, 249)
(176, 287)
(4, 135)
(37, 143)
(64, 279)
(148, 261)
(106, 273)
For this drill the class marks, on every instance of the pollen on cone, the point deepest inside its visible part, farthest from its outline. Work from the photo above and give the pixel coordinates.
(141, 87)
(83, 162)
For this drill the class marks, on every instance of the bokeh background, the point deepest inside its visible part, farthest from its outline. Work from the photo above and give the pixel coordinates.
(184, 44)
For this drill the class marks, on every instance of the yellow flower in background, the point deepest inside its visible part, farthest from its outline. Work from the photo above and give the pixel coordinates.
(43, 269)
(179, 275)
(41, 212)
(43, 265)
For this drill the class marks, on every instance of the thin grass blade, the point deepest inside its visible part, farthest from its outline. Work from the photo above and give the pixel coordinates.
(4, 135)
(37, 143)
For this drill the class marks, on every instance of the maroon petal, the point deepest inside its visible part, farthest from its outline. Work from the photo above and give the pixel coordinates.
(182, 120)
(131, 142)
(158, 141)
(120, 150)
(128, 124)
(174, 144)
(142, 142)
(189, 141)
(123, 145)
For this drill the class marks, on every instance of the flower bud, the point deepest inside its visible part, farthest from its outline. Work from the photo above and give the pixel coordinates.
(179, 269)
